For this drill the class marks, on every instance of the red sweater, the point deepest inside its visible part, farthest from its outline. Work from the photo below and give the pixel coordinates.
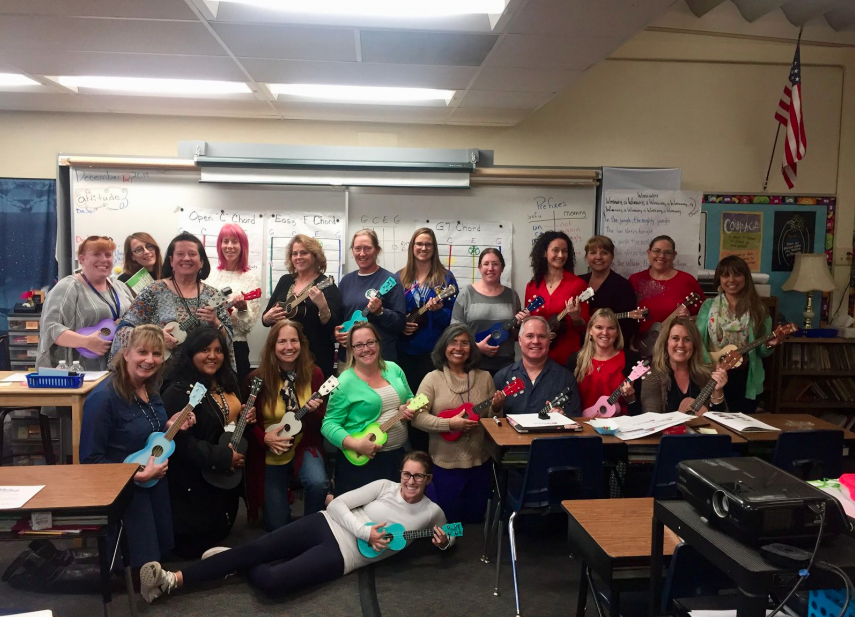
(662, 297)
(311, 444)
(603, 382)
(569, 339)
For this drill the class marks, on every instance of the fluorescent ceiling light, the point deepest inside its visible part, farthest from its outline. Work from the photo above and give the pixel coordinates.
(362, 94)
(145, 85)
(13, 79)
(384, 8)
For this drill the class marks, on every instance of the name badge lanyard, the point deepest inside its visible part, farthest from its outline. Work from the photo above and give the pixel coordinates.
(114, 311)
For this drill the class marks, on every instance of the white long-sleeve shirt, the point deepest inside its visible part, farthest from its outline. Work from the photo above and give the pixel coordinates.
(240, 282)
(378, 502)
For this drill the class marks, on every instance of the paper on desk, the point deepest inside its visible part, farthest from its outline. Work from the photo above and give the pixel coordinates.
(17, 496)
(531, 420)
(16, 377)
(636, 427)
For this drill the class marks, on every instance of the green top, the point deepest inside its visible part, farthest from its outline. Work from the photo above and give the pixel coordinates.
(756, 373)
(354, 404)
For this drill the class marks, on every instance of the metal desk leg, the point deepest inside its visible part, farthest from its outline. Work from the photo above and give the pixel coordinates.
(368, 592)
(513, 542)
(104, 562)
(126, 565)
(750, 604)
(614, 603)
(494, 506)
(582, 598)
(656, 541)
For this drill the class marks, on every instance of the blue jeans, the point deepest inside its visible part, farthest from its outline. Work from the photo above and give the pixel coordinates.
(313, 477)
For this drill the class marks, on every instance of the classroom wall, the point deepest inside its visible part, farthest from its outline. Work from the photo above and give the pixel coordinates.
(699, 102)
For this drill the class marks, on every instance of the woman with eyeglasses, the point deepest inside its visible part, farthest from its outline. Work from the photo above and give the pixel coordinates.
(461, 484)
(180, 301)
(203, 514)
(422, 279)
(234, 272)
(387, 313)
(320, 313)
(83, 300)
(320, 547)
(141, 251)
(370, 390)
(662, 288)
(289, 378)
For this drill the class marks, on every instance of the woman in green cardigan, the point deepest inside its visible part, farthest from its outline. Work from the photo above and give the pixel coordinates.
(370, 390)
(737, 316)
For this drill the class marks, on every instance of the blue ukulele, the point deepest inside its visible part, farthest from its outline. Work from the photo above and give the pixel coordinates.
(499, 332)
(363, 314)
(160, 445)
(398, 536)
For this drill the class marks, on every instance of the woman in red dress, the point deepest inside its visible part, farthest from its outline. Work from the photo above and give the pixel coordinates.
(552, 262)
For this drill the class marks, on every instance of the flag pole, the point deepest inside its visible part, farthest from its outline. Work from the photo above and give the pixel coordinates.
(778, 130)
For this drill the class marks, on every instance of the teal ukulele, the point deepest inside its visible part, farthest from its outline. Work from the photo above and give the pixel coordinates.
(378, 433)
(363, 314)
(398, 536)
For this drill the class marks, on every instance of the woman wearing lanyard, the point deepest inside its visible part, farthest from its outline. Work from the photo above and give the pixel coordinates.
(234, 272)
(420, 279)
(552, 262)
(82, 300)
(141, 251)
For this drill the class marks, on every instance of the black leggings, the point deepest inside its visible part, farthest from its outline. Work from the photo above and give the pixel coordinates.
(293, 557)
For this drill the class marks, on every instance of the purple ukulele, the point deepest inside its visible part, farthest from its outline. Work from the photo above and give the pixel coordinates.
(106, 329)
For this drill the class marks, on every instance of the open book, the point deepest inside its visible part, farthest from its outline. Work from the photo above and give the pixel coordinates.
(739, 422)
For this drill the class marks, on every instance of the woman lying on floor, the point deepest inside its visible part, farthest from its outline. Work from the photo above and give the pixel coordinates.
(319, 547)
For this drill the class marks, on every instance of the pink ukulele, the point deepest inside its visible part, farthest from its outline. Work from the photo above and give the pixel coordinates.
(607, 406)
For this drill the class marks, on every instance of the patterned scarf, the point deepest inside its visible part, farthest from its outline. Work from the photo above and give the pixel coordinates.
(724, 328)
(288, 391)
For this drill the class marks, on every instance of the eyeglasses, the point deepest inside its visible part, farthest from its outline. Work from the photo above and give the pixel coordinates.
(659, 252)
(141, 249)
(406, 476)
(422, 245)
(461, 344)
(372, 344)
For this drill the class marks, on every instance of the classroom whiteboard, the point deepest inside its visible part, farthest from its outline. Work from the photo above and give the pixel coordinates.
(467, 221)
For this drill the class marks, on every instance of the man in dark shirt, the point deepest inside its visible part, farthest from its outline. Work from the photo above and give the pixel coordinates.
(543, 378)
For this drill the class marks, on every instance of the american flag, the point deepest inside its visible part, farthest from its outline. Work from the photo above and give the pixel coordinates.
(789, 113)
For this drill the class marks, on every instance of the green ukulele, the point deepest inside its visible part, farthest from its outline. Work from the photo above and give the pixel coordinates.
(378, 433)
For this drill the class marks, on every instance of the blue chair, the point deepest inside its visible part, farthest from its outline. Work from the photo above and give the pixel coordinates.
(559, 468)
(676, 448)
(810, 455)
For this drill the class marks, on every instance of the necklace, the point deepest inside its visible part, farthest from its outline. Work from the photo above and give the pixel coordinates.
(192, 322)
(224, 407)
(155, 424)
(116, 306)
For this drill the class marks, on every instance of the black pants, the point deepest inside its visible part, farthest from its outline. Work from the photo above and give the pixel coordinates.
(734, 390)
(415, 368)
(384, 466)
(242, 359)
(289, 559)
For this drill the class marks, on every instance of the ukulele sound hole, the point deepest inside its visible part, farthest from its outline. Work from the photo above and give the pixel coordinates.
(156, 451)
(602, 411)
(104, 332)
(372, 437)
(287, 428)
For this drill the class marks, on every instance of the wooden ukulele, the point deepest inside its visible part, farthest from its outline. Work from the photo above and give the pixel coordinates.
(473, 412)
(645, 342)
(378, 433)
(638, 314)
(398, 536)
(780, 333)
(698, 406)
(358, 316)
(230, 478)
(418, 315)
(294, 306)
(499, 332)
(607, 406)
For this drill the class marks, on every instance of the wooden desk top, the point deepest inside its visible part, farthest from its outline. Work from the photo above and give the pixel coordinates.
(70, 486)
(621, 527)
(506, 437)
(792, 422)
(20, 387)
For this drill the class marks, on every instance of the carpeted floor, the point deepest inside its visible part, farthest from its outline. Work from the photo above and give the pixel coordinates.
(420, 582)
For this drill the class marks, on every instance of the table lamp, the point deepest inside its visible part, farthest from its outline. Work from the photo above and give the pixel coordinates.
(810, 274)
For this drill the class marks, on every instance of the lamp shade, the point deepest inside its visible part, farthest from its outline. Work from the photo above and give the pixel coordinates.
(810, 273)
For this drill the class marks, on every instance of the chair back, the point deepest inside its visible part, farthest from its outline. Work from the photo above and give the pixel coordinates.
(676, 448)
(561, 468)
(810, 455)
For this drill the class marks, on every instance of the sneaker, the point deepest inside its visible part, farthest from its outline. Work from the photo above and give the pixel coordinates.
(155, 581)
(214, 551)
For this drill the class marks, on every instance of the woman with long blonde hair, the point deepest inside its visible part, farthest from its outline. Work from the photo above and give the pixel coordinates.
(289, 377)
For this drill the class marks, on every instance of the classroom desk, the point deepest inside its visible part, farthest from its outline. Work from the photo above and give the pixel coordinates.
(791, 422)
(19, 395)
(96, 490)
(610, 537)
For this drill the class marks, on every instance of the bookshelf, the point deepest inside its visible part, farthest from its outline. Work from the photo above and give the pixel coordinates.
(815, 375)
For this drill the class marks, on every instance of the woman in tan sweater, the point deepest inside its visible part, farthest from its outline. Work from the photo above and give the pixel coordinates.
(461, 480)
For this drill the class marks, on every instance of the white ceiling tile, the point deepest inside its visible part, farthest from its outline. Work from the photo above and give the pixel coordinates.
(363, 113)
(486, 99)
(52, 62)
(183, 107)
(507, 79)
(587, 17)
(138, 9)
(492, 117)
(107, 35)
(358, 73)
(438, 48)
(528, 51)
(289, 43)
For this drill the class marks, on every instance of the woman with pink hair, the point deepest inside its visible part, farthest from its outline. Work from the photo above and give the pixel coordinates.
(234, 271)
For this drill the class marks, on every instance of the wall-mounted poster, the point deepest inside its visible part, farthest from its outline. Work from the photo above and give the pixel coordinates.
(794, 232)
(742, 235)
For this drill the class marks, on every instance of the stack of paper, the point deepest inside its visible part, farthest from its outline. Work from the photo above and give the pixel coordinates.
(739, 422)
(636, 427)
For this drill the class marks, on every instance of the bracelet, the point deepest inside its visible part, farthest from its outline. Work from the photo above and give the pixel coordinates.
(717, 402)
